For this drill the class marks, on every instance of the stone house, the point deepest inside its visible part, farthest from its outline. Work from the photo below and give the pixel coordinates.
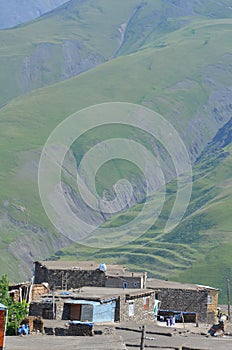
(188, 298)
(96, 304)
(75, 274)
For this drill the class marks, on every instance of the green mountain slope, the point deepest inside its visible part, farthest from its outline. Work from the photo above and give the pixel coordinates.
(198, 250)
(187, 79)
(59, 45)
(83, 34)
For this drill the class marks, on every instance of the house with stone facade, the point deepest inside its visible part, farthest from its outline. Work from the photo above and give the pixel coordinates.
(75, 274)
(96, 304)
(195, 302)
(183, 298)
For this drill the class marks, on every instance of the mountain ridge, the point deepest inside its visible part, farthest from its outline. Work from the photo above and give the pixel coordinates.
(12, 13)
(64, 42)
(184, 73)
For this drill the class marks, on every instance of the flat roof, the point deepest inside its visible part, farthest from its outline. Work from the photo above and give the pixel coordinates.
(114, 270)
(107, 293)
(97, 294)
(155, 283)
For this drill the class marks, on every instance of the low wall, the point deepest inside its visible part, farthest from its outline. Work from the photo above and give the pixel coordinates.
(137, 313)
(72, 330)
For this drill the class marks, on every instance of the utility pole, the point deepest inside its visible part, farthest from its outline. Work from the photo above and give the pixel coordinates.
(228, 297)
(143, 338)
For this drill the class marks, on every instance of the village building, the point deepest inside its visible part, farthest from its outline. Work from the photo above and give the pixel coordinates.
(195, 301)
(115, 294)
(96, 304)
(27, 291)
(75, 274)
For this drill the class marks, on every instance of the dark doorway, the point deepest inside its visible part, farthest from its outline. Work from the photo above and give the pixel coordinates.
(75, 312)
(47, 314)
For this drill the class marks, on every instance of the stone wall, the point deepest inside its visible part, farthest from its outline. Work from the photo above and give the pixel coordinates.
(72, 330)
(185, 300)
(124, 282)
(136, 313)
(41, 273)
(36, 324)
(212, 307)
(60, 310)
(143, 309)
(39, 289)
(44, 310)
(67, 279)
(77, 278)
(35, 309)
(81, 329)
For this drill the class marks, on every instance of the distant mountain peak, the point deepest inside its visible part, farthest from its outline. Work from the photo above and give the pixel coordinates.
(14, 12)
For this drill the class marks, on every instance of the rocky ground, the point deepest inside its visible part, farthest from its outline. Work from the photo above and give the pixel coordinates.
(189, 337)
(124, 336)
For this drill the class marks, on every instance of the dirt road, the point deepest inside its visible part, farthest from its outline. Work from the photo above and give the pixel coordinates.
(46, 342)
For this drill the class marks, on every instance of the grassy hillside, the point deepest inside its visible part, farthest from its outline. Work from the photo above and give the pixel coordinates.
(63, 43)
(198, 250)
(83, 34)
(186, 77)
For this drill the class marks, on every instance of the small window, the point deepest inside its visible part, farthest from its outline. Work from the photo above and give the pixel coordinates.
(125, 284)
(131, 309)
(136, 284)
(210, 299)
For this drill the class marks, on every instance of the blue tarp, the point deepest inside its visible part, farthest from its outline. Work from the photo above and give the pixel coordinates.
(179, 312)
(80, 322)
(82, 302)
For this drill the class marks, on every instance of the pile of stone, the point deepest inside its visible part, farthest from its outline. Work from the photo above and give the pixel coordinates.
(72, 329)
(83, 329)
(36, 324)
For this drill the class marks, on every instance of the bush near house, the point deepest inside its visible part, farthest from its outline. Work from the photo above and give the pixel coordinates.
(17, 311)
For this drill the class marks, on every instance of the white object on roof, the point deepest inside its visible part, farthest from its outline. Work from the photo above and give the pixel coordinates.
(102, 267)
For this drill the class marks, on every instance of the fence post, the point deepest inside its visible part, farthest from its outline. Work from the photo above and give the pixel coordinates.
(143, 338)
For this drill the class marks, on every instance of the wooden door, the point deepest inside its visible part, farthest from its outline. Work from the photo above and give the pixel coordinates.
(75, 312)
